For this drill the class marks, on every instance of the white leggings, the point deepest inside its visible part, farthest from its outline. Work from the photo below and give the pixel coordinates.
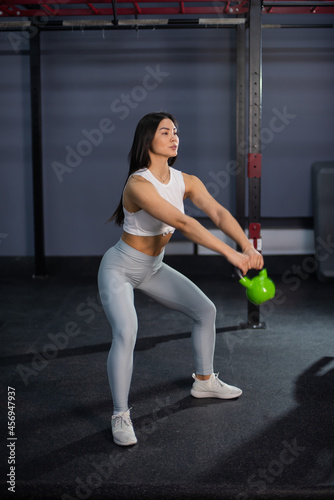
(121, 270)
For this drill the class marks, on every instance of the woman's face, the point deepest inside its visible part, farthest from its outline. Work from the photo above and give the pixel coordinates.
(166, 141)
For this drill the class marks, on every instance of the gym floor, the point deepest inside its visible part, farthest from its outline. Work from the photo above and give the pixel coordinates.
(275, 441)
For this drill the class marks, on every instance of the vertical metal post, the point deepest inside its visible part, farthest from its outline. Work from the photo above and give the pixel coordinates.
(36, 139)
(241, 143)
(254, 148)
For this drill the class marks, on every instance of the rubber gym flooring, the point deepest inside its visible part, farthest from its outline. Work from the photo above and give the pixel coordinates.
(275, 441)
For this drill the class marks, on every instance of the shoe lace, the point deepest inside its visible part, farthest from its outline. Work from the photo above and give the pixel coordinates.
(216, 381)
(121, 417)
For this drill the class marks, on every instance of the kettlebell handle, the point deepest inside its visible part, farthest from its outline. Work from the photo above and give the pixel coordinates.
(238, 272)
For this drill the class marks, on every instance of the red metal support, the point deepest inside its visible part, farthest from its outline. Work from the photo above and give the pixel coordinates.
(254, 230)
(297, 7)
(94, 10)
(9, 8)
(138, 9)
(7, 11)
(28, 8)
(254, 234)
(48, 10)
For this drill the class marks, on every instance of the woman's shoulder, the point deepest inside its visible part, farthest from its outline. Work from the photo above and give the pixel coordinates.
(189, 178)
(136, 179)
(192, 183)
(139, 173)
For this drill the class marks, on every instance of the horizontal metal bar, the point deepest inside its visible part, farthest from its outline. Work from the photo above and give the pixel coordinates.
(234, 21)
(67, 12)
(142, 22)
(4, 25)
(155, 22)
(54, 2)
(302, 3)
(99, 23)
(146, 23)
(306, 26)
(87, 24)
(298, 10)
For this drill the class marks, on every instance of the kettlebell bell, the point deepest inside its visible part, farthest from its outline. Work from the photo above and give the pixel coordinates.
(258, 289)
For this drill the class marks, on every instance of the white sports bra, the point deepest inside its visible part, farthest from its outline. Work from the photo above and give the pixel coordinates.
(143, 224)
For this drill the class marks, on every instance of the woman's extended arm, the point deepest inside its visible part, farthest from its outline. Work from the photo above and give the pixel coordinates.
(221, 217)
(143, 195)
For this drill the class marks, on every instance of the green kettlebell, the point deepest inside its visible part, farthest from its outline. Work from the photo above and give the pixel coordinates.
(259, 289)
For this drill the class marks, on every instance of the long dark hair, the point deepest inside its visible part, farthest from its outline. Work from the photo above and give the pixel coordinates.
(139, 152)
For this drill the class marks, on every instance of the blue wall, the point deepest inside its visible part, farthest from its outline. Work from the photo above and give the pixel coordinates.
(106, 81)
(298, 75)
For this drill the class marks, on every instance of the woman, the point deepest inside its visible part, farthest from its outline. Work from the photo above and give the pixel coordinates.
(150, 210)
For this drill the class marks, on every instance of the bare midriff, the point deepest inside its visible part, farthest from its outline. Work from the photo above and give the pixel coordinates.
(150, 245)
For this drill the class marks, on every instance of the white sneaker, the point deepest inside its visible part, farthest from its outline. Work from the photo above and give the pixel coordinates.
(122, 429)
(213, 388)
